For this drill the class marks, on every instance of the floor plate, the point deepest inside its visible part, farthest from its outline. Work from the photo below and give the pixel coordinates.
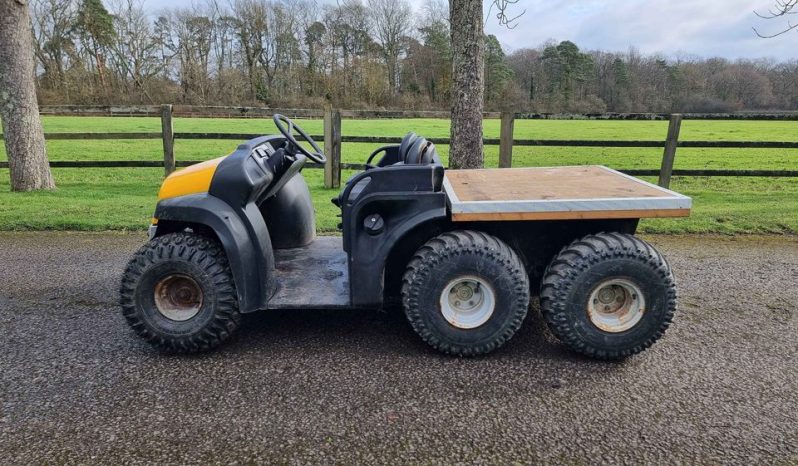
(313, 277)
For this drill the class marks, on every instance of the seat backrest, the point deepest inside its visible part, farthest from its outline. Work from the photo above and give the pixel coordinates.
(416, 151)
(407, 142)
(422, 152)
(429, 155)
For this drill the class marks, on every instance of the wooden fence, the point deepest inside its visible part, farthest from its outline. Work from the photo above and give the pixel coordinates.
(333, 138)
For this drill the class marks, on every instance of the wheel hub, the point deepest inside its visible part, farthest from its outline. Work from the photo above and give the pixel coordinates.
(467, 302)
(616, 305)
(178, 297)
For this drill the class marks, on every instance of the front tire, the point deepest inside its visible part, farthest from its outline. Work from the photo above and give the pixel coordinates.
(178, 293)
(465, 293)
(608, 296)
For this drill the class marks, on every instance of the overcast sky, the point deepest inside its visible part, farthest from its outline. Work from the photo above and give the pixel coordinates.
(671, 27)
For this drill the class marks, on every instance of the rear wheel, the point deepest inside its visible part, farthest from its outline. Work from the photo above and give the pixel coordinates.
(178, 293)
(608, 296)
(465, 293)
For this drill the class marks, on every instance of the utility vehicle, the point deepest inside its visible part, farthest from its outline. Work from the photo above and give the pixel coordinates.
(463, 251)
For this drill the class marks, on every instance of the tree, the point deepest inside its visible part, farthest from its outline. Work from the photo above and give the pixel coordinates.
(428, 63)
(53, 21)
(392, 21)
(781, 9)
(497, 72)
(468, 78)
(96, 28)
(569, 70)
(22, 127)
(135, 50)
(527, 71)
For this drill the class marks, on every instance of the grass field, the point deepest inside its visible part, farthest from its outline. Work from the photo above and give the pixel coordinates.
(123, 198)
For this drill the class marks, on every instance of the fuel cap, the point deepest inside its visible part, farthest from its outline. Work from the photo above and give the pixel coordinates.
(374, 224)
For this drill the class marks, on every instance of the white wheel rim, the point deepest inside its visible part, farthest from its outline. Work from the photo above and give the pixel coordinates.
(616, 305)
(468, 302)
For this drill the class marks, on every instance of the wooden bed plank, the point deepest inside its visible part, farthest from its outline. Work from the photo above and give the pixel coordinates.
(519, 184)
(559, 193)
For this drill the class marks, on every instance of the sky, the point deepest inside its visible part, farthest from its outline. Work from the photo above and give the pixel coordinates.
(673, 28)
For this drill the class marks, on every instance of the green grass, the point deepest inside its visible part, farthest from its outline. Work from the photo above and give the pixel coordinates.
(123, 198)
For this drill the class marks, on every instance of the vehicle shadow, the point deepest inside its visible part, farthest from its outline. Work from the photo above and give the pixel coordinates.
(387, 332)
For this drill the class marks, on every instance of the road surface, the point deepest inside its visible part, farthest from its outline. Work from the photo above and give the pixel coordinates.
(76, 386)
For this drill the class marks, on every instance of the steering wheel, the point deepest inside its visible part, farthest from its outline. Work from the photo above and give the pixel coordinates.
(288, 132)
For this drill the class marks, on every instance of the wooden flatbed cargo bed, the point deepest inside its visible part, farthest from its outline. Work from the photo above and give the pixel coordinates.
(559, 193)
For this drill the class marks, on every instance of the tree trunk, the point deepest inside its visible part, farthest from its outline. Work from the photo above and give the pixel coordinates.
(468, 76)
(22, 128)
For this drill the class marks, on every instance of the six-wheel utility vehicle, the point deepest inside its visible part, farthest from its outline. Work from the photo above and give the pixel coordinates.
(462, 250)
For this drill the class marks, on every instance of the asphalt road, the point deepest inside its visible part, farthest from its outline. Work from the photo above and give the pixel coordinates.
(76, 386)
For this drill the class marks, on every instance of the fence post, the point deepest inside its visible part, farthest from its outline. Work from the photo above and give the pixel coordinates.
(671, 143)
(332, 147)
(168, 135)
(506, 140)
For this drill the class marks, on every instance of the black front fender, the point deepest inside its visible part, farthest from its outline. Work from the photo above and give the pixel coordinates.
(244, 237)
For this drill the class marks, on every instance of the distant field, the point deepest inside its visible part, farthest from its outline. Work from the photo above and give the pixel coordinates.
(123, 198)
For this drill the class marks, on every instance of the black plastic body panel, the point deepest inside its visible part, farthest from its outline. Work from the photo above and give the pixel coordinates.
(289, 215)
(405, 197)
(243, 235)
(244, 176)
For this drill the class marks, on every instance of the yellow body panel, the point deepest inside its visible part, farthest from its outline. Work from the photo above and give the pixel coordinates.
(191, 180)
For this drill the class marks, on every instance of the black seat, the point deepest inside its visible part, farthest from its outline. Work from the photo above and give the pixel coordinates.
(392, 154)
(430, 155)
(415, 151)
(421, 153)
(407, 141)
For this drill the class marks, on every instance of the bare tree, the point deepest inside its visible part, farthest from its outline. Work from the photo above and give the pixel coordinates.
(347, 26)
(252, 32)
(53, 21)
(22, 127)
(781, 9)
(392, 21)
(135, 48)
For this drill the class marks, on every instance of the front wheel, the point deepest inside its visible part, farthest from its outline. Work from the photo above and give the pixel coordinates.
(465, 293)
(178, 293)
(608, 296)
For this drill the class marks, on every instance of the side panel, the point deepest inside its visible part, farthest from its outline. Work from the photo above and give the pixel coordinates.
(401, 212)
(398, 198)
(243, 235)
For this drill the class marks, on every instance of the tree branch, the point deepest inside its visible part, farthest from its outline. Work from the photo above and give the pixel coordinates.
(782, 8)
(504, 20)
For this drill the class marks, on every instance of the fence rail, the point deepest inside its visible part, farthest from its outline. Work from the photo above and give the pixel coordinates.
(445, 141)
(195, 111)
(333, 138)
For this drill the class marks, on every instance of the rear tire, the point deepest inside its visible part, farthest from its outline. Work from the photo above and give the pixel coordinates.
(178, 294)
(465, 293)
(608, 296)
